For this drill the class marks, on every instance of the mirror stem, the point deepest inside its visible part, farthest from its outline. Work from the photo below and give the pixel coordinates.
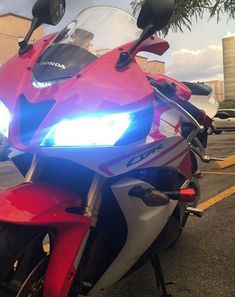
(148, 31)
(125, 57)
(24, 46)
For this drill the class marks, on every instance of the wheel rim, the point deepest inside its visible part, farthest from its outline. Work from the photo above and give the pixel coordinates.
(24, 275)
(32, 287)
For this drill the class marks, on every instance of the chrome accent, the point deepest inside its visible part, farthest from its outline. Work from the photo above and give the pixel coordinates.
(204, 158)
(181, 110)
(94, 198)
(195, 211)
(35, 169)
(192, 137)
(81, 250)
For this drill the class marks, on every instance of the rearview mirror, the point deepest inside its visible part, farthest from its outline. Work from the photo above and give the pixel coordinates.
(49, 11)
(156, 13)
(44, 12)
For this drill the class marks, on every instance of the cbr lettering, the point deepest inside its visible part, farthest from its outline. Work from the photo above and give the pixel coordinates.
(143, 156)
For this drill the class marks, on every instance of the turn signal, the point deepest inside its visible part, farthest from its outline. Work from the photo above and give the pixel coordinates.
(187, 195)
(150, 197)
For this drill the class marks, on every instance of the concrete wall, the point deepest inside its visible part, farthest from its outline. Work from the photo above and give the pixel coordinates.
(218, 88)
(13, 27)
(229, 67)
(151, 66)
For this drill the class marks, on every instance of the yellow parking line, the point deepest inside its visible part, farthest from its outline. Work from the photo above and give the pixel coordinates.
(218, 172)
(217, 198)
(227, 162)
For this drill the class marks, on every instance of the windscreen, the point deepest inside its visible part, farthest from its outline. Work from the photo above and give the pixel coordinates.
(94, 32)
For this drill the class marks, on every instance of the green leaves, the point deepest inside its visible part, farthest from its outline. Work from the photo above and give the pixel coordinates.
(186, 10)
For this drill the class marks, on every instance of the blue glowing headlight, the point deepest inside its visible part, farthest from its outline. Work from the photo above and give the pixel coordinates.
(5, 118)
(98, 130)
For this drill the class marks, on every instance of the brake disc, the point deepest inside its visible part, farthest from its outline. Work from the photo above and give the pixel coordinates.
(32, 287)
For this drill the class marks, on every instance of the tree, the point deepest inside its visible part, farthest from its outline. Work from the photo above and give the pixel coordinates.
(185, 10)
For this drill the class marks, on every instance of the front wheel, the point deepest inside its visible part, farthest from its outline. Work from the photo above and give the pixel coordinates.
(23, 259)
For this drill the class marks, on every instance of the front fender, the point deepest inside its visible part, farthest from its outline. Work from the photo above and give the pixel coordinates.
(38, 204)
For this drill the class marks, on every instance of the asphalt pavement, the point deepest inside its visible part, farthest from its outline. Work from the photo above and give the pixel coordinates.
(202, 262)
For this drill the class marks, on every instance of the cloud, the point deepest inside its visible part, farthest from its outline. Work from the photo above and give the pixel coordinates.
(202, 65)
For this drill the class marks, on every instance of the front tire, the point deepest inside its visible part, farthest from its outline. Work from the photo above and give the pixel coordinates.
(23, 260)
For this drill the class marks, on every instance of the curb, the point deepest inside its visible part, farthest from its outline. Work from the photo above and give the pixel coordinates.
(227, 162)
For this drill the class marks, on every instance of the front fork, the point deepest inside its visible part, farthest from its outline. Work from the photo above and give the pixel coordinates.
(94, 196)
(91, 211)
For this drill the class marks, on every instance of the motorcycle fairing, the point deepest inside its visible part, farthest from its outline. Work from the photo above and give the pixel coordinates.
(182, 91)
(141, 219)
(113, 161)
(97, 88)
(39, 204)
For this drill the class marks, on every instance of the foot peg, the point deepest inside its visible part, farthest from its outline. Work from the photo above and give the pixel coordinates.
(195, 211)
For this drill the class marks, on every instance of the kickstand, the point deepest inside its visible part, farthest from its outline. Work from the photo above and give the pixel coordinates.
(159, 276)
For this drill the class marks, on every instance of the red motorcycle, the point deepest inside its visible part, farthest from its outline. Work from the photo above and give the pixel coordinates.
(108, 170)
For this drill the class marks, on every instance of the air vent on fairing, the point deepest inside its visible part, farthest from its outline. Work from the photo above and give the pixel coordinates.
(29, 116)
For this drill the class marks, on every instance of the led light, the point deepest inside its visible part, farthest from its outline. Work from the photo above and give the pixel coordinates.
(88, 131)
(5, 118)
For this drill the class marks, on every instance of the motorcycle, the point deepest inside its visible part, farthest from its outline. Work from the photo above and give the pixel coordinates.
(108, 172)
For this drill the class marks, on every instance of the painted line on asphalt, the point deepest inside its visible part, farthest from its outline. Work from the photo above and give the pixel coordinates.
(218, 172)
(227, 162)
(217, 198)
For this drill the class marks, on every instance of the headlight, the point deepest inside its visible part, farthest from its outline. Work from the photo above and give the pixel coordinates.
(5, 118)
(98, 130)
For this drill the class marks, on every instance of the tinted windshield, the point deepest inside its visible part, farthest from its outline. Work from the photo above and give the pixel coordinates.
(94, 32)
(100, 29)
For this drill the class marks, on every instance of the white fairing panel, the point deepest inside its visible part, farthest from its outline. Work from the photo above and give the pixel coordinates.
(116, 160)
(209, 104)
(144, 225)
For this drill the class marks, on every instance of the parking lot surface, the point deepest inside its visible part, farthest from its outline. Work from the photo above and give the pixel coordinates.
(202, 262)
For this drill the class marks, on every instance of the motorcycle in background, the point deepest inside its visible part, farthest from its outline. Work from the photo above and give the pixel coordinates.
(107, 165)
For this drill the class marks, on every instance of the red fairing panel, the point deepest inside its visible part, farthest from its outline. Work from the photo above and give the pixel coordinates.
(99, 87)
(154, 44)
(182, 92)
(38, 204)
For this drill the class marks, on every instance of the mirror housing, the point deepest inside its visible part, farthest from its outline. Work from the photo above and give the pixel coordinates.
(156, 13)
(48, 12)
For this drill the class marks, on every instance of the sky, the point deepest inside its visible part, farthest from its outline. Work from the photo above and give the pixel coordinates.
(194, 55)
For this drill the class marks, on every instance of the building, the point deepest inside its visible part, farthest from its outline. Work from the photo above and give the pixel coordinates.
(218, 88)
(151, 66)
(229, 67)
(13, 27)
